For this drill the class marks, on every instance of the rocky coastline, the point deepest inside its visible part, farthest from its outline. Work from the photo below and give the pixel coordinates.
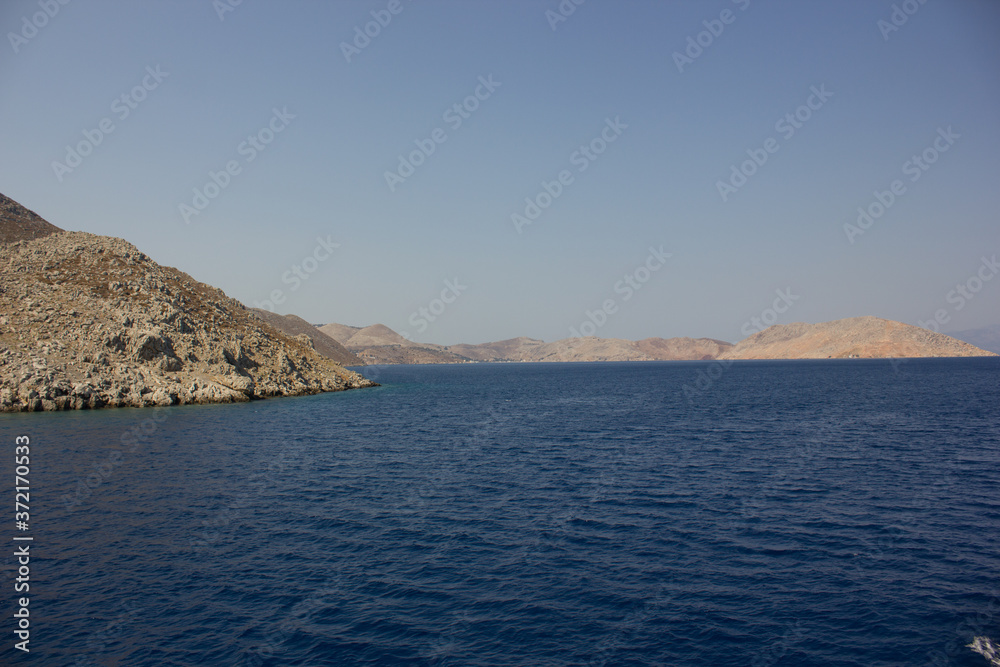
(90, 322)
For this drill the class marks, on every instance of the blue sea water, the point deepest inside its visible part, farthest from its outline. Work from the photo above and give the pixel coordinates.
(800, 513)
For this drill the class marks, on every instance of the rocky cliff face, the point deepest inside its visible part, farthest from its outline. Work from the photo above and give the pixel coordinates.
(89, 321)
(862, 337)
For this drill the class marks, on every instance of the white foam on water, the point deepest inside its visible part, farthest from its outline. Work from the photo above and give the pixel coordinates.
(986, 648)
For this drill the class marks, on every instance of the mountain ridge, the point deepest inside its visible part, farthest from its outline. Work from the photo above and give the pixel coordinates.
(296, 327)
(378, 344)
(863, 337)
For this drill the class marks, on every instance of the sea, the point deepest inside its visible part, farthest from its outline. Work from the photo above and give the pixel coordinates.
(795, 513)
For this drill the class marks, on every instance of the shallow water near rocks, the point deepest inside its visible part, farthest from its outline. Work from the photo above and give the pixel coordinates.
(783, 513)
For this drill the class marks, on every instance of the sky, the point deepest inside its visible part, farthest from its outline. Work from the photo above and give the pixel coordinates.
(475, 171)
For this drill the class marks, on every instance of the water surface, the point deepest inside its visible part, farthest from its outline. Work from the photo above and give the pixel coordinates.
(777, 513)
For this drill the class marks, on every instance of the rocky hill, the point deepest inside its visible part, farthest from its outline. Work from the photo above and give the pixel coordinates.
(378, 344)
(19, 224)
(377, 335)
(512, 349)
(296, 327)
(592, 348)
(398, 354)
(682, 348)
(89, 321)
(339, 332)
(864, 337)
(589, 348)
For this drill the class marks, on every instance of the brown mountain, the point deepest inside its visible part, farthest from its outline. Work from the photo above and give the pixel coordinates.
(339, 332)
(868, 337)
(378, 344)
(375, 336)
(89, 321)
(864, 337)
(414, 354)
(295, 326)
(682, 348)
(512, 349)
(592, 349)
(589, 348)
(19, 224)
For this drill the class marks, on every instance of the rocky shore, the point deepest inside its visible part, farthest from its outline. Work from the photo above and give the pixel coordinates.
(89, 321)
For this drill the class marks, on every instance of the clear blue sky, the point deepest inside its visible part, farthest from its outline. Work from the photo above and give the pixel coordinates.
(323, 175)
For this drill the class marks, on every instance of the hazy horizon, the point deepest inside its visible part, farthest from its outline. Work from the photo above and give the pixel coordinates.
(473, 172)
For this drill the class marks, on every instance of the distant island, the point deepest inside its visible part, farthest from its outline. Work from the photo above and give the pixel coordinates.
(90, 321)
(855, 337)
(378, 344)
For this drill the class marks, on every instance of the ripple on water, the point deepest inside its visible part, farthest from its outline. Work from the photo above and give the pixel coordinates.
(536, 514)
